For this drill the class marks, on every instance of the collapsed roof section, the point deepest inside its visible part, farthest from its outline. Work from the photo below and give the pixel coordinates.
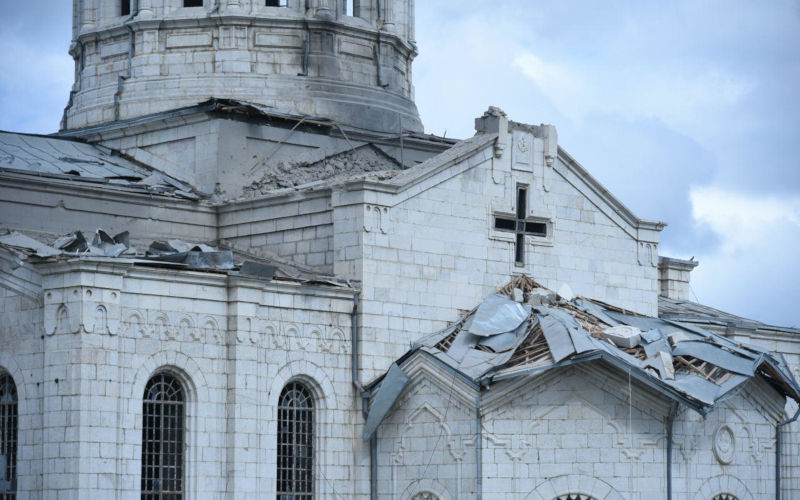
(526, 329)
(174, 254)
(56, 158)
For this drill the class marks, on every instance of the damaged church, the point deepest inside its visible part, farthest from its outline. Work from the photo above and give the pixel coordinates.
(241, 269)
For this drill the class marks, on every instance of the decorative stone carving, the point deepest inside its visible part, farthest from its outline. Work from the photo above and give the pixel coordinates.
(523, 152)
(647, 254)
(724, 444)
(450, 443)
(376, 219)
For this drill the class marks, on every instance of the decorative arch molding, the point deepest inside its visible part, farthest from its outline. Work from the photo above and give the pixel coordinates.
(426, 489)
(311, 374)
(24, 401)
(322, 390)
(574, 484)
(180, 365)
(188, 372)
(719, 486)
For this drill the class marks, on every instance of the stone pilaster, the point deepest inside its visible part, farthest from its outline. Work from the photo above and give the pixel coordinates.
(80, 426)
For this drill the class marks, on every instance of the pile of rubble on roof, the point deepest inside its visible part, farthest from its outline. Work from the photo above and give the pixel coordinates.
(171, 253)
(526, 329)
(333, 168)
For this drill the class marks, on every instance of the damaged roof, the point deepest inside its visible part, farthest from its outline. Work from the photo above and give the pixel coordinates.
(526, 329)
(176, 254)
(692, 312)
(53, 157)
(336, 167)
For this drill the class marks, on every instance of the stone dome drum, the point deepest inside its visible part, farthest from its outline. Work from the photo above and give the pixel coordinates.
(344, 60)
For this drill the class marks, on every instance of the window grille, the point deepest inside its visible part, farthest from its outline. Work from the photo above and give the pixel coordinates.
(725, 496)
(575, 496)
(425, 495)
(8, 438)
(163, 439)
(295, 443)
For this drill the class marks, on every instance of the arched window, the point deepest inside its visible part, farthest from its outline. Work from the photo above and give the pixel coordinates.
(163, 438)
(575, 496)
(725, 496)
(425, 495)
(295, 443)
(8, 437)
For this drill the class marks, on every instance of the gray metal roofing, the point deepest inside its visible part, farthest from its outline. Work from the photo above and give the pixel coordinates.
(692, 312)
(49, 155)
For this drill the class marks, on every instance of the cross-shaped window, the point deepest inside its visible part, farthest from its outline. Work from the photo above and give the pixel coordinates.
(520, 224)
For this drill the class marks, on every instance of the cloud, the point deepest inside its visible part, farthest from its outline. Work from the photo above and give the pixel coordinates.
(743, 220)
(755, 269)
(650, 91)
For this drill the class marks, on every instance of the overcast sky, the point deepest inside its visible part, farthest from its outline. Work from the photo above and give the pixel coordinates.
(688, 111)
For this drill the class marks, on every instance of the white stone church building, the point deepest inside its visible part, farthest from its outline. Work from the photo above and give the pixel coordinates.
(241, 270)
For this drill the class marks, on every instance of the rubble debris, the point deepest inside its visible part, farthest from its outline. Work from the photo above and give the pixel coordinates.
(566, 293)
(289, 174)
(623, 335)
(541, 297)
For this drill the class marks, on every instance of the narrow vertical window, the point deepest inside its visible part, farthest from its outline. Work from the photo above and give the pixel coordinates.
(192, 3)
(295, 443)
(277, 3)
(351, 8)
(8, 438)
(125, 7)
(163, 439)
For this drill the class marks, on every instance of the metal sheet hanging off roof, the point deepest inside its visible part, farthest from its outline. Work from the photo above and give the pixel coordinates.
(391, 387)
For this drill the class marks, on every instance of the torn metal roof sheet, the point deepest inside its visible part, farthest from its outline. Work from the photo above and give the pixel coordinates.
(503, 338)
(46, 156)
(173, 253)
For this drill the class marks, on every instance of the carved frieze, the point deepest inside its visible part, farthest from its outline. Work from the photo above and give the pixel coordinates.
(194, 327)
(81, 310)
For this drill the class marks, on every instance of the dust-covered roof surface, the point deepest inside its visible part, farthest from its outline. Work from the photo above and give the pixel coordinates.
(526, 329)
(53, 157)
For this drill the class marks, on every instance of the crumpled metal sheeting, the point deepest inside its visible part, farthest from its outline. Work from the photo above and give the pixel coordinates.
(659, 345)
(477, 357)
(558, 321)
(498, 314)
(196, 259)
(501, 342)
(696, 388)
(434, 338)
(646, 324)
(595, 310)
(390, 389)
(716, 356)
(19, 240)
